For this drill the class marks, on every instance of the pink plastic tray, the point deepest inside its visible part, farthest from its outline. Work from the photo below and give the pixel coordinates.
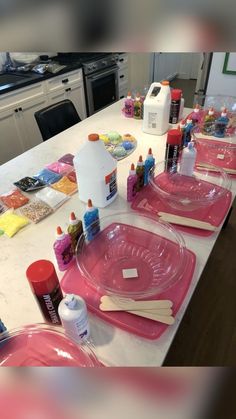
(147, 201)
(73, 282)
(208, 150)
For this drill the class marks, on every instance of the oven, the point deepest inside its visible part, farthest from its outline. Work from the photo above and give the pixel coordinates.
(101, 83)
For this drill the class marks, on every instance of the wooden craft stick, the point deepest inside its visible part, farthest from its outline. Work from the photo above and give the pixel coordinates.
(185, 221)
(139, 305)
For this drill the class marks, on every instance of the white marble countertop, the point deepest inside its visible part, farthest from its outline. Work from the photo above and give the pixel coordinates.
(17, 305)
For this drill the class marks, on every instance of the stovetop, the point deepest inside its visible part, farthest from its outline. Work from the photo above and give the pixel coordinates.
(91, 62)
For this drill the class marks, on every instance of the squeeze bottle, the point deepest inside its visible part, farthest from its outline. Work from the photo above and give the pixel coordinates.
(63, 249)
(221, 124)
(91, 221)
(131, 183)
(188, 159)
(148, 165)
(137, 107)
(140, 173)
(96, 172)
(74, 317)
(129, 106)
(75, 229)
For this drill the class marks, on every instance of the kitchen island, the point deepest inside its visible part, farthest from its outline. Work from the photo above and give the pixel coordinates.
(113, 346)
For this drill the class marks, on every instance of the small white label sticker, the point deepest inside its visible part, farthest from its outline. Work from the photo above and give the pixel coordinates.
(129, 273)
(220, 156)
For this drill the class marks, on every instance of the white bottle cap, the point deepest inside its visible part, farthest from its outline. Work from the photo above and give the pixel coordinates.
(189, 121)
(211, 112)
(70, 301)
(196, 110)
(224, 114)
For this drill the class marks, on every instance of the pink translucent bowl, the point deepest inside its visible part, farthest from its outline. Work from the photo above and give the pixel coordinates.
(132, 241)
(44, 345)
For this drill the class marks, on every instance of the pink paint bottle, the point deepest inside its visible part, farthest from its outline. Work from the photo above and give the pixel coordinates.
(63, 250)
(131, 183)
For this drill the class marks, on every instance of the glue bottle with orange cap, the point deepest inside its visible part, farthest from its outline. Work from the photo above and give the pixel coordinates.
(140, 173)
(75, 229)
(148, 167)
(131, 183)
(91, 221)
(63, 250)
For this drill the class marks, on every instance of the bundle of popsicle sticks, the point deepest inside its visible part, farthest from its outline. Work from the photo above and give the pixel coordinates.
(157, 310)
(203, 166)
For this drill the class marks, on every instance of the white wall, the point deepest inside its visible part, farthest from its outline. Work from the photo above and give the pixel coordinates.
(220, 83)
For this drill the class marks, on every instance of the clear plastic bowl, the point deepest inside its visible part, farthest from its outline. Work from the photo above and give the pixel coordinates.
(213, 150)
(132, 241)
(189, 193)
(217, 102)
(44, 345)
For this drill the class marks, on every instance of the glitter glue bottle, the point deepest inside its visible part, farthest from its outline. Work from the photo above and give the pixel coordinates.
(137, 107)
(187, 132)
(74, 317)
(131, 183)
(221, 124)
(196, 114)
(140, 173)
(129, 106)
(91, 221)
(46, 288)
(63, 250)
(148, 166)
(75, 229)
(208, 120)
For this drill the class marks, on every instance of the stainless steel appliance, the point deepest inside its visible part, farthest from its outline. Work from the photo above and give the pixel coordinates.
(101, 82)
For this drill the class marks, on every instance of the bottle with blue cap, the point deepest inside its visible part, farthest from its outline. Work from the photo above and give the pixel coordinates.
(74, 317)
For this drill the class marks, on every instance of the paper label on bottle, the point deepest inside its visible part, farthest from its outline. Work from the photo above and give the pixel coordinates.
(152, 120)
(111, 184)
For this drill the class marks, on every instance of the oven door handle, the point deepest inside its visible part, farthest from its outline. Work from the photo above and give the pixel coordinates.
(103, 73)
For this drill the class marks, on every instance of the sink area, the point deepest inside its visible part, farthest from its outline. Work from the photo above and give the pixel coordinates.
(10, 78)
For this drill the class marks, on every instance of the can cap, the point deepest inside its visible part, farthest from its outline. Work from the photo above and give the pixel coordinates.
(174, 137)
(93, 137)
(176, 94)
(70, 301)
(42, 277)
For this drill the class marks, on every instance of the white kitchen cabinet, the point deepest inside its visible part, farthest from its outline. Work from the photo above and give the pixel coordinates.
(123, 74)
(10, 136)
(31, 135)
(73, 92)
(19, 130)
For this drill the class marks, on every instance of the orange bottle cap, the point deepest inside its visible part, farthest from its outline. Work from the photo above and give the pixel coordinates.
(59, 231)
(140, 159)
(129, 94)
(132, 166)
(150, 151)
(90, 204)
(93, 137)
(72, 216)
(165, 82)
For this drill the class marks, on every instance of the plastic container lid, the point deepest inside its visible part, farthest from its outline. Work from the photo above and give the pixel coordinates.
(42, 277)
(174, 137)
(176, 94)
(165, 83)
(93, 137)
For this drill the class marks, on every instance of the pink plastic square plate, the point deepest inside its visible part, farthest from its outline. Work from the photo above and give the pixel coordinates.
(73, 282)
(147, 200)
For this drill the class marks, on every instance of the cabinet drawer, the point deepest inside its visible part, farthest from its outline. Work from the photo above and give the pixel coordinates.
(123, 76)
(63, 80)
(123, 92)
(123, 61)
(19, 96)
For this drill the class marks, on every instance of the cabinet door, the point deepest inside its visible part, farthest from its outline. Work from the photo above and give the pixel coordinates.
(30, 132)
(10, 138)
(75, 93)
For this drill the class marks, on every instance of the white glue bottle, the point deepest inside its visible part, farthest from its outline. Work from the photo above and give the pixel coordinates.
(74, 317)
(188, 160)
(96, 172)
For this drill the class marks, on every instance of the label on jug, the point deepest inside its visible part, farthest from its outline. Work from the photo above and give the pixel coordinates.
(111, 184)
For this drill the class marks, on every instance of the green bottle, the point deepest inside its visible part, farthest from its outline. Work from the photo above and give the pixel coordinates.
(137, 107)
(75, 230)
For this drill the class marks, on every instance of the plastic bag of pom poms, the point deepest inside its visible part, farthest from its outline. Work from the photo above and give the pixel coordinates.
(68, 159)
(51, 197)
(36, 210)
(28, 184)
(47, 176)
(59, 167)
(11, 223)
(3, 208)
(65, 186)
(72, 176)
(14, 199)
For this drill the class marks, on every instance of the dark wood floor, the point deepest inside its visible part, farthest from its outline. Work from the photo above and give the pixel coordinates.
(207, 334)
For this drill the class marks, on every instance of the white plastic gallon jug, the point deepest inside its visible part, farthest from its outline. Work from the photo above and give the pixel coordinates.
(156, 109)
(96, 173)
